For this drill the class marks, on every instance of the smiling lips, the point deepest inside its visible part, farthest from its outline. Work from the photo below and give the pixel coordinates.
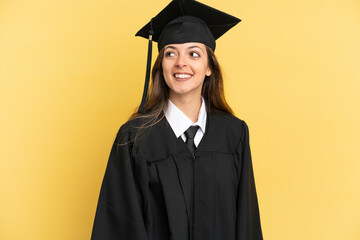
(182, 76)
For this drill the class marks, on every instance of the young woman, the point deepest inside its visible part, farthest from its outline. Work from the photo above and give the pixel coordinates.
(181, 167)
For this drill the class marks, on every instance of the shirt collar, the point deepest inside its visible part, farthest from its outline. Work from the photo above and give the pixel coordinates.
(179, 122)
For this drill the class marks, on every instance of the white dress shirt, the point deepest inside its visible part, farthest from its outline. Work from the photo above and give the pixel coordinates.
(179, 122)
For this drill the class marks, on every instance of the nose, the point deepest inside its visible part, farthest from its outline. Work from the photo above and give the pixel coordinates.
(180, 61)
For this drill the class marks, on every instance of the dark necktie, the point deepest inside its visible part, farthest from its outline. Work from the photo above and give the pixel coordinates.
(190, 134)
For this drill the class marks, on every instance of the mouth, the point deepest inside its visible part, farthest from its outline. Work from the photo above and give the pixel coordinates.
(182, 76)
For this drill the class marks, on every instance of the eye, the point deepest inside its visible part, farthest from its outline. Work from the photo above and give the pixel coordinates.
(195, 54)
(169, 54)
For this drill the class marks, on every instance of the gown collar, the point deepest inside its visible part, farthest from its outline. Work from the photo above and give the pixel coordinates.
(179, 122)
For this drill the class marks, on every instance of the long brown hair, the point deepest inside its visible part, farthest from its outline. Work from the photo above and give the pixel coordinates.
(212, 92)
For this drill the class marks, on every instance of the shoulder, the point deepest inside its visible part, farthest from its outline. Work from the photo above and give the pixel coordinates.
(137, 129)
(128, 131)
(230, 125)
(229, 121)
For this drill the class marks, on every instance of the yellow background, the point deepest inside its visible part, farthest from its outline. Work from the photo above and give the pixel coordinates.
(71, 72)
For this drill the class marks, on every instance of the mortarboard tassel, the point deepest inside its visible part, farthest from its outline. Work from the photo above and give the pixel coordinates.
(148, 67)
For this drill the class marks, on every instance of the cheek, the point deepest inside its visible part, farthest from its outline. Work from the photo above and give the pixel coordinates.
(166, 76)
(166, 69)
(204, 69)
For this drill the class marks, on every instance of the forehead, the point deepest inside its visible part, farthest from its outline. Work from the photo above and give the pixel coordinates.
(186, 45)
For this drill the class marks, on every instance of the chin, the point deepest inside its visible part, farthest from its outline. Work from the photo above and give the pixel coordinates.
(184, 91)
(181, 92)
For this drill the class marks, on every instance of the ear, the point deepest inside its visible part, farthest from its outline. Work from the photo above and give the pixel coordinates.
(208, 72)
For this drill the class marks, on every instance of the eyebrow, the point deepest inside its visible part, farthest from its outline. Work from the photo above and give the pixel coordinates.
(194, 46)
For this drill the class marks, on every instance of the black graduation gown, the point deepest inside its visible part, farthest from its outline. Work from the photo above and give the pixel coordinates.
(155, 189)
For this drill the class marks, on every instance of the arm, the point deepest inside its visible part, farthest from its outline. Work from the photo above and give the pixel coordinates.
(248, 216)
(119, 213)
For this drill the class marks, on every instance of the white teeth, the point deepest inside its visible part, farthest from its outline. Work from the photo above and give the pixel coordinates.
(182, 75)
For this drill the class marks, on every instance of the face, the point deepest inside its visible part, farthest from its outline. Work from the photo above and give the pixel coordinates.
(184, 68)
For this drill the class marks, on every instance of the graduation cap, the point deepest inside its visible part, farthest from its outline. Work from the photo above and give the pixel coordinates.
(183, 21)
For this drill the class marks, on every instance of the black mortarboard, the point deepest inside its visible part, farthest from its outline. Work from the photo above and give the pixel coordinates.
(184, 21)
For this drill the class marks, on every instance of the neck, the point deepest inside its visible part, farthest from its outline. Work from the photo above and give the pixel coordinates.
(189, 105)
